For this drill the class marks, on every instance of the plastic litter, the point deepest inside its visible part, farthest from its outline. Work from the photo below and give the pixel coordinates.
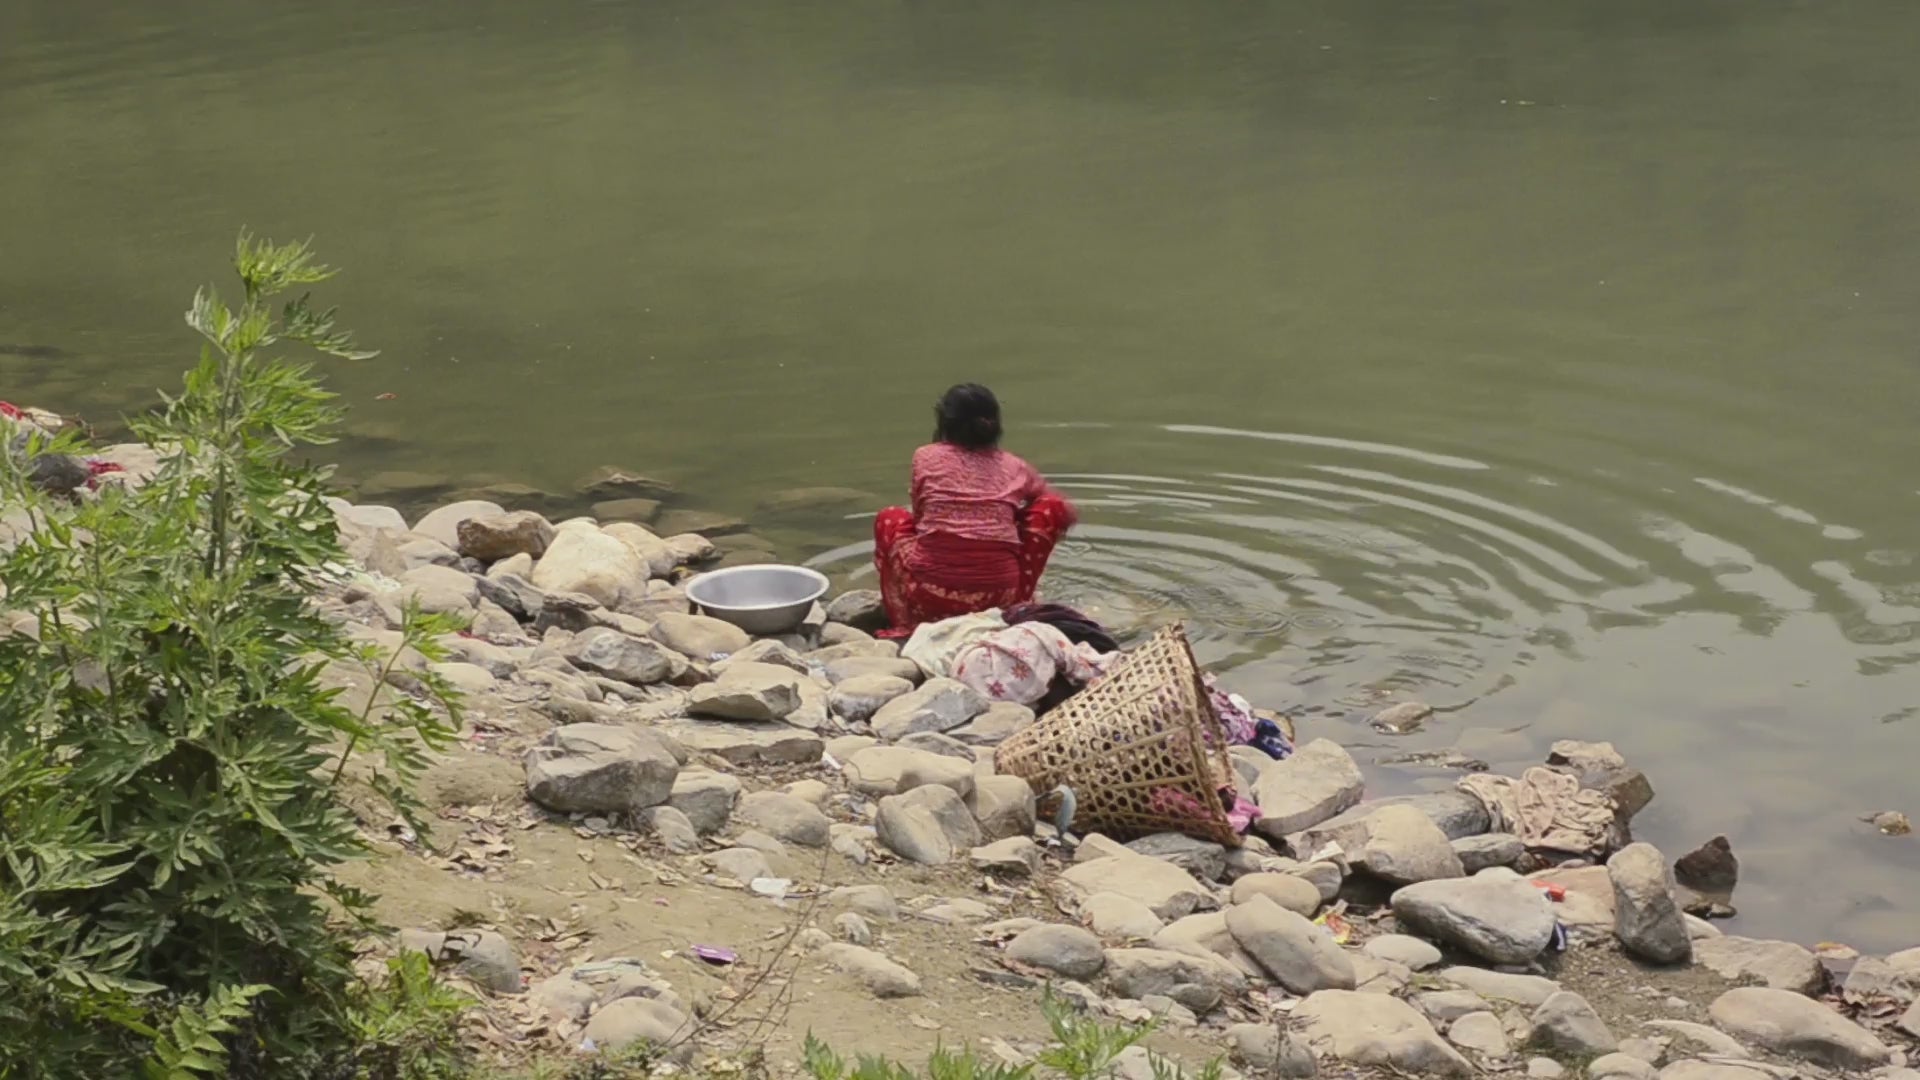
(715, 955)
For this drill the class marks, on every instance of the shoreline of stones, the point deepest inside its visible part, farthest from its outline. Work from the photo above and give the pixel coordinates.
(1170, 925)
(665, 722)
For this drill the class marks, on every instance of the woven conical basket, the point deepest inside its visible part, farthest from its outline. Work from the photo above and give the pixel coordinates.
(1141, 749)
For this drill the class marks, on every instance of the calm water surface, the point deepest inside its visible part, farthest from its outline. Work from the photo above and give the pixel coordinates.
(1554, 363)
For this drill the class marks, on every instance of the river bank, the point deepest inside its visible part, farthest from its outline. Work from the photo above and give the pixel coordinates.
(637, 783)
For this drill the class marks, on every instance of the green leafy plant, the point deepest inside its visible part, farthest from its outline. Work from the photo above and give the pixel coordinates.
(172, 752)
(408, 1028)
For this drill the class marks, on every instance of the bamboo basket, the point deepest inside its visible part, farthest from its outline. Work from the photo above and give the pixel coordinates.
(1141, 749)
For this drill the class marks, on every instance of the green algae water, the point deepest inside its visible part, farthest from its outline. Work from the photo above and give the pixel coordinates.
(1554, 364)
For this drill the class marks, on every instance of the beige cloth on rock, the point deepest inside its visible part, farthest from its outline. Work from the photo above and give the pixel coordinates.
(1547, 809)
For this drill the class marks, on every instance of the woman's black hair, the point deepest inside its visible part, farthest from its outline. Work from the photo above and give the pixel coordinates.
(968, 416)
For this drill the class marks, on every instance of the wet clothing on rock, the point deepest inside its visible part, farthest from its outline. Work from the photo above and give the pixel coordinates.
(981, 528)
(1547, 809)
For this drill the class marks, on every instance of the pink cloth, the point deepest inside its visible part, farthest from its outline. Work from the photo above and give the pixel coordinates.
(1019, 664)
(973, 494)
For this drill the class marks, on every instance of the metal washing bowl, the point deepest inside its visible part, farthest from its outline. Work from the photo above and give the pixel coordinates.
(758, 599)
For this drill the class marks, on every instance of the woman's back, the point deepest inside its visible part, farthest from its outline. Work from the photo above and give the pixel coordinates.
(974, 494)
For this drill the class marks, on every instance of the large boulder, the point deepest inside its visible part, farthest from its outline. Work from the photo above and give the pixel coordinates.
(582, 559)
(600, 769)
(605, 651)
(1797, 1026)
(940, 705)
(1405, 847)
(1498, 918)
(492, 537)
(1376, 1030)
(1318, 781)
(1647, 919)
(1297, 954)
(1781, 965)
(928, 825)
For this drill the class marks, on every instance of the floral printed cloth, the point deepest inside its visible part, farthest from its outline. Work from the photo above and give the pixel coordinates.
(1019, 663)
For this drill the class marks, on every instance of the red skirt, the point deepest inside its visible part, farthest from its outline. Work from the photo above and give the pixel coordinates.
(928, 577)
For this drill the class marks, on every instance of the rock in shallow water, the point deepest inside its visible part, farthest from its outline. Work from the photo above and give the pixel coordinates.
(1502, 920)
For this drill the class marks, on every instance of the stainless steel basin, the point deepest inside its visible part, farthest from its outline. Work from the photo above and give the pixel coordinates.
(758, 599)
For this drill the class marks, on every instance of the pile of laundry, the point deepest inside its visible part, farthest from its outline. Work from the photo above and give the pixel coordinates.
(1043, 655)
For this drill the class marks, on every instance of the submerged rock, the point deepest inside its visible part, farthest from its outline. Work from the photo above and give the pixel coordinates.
(1711, 868)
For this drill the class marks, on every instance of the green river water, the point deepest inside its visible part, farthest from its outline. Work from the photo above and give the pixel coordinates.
(1552, 363)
